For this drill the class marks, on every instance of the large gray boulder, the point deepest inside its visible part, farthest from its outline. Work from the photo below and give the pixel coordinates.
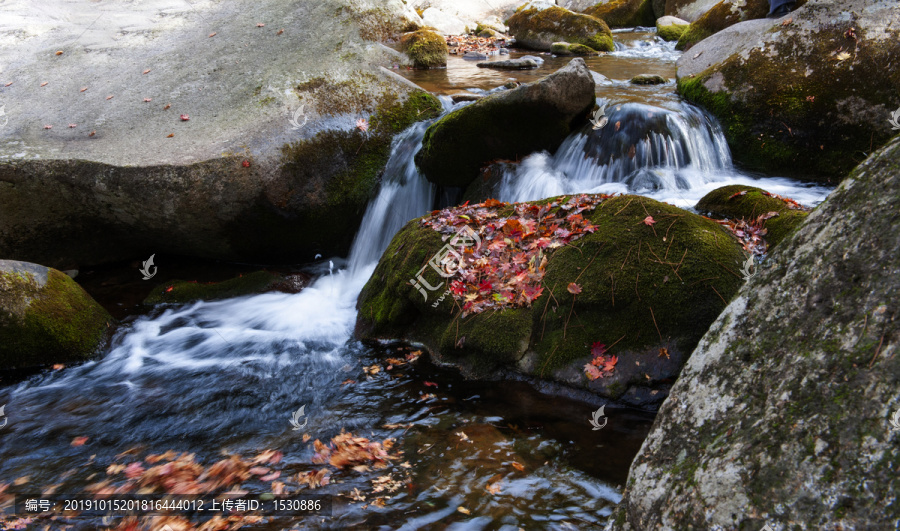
(689, 10)
(806, 95)
(270, 93)
(506, 125)
(46, 318)
(782, 415)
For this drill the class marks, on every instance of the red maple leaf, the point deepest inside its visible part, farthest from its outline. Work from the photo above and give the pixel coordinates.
(610, 364)
(574, 288)
(649, 221)
(598, 349)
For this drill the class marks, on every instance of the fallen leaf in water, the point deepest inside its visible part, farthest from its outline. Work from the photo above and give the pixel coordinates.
(58, 366)
(79, 441)
(649, 221)
(306, 437)
(663, 351)
(463, 436)
(574, 288)
(618, 125)
(21, 480)
(427, 396)
(413, 356)
(518, 466)
(842, 56)
(114, 468)
(271, 477)
(134, 470)
(463, 510)
(430, 384)
(372, 370)
(345, 382)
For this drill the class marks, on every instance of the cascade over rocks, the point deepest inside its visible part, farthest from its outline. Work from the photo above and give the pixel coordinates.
(650, 279)
(506, 125)
(781, 415)
(269, 147)
(806, 96)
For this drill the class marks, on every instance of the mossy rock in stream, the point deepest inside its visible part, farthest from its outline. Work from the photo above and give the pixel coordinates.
(425, 48)
(649, 292)
(568, 48)
(538, 29)
(182, 291)
(624, 13)
(671, 28)
(725, 203)
(789, 100)
(506, 125)
(46, 317)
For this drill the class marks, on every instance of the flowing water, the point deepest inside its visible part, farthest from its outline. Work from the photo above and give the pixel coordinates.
(225, 377)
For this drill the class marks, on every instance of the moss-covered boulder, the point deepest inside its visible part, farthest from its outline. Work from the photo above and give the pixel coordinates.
(425, 48)
(742, 202)
(624, 13)
(506, 125)
(807, 97)
(670, 28)
(46, 317)
(648, 281)
(784, 414)
(181, 291)
(568, 48)
(538, 29)
(722, 15)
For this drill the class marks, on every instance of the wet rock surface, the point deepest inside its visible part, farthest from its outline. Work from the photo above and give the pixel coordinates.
(782, 414)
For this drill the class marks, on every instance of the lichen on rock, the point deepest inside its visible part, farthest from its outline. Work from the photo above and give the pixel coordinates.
(782, 415)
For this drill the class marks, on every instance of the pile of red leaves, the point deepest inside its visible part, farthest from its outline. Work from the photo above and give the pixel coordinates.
(460, 44)
(357, 452)
(602, 364)
(750, 233)
(793, 205)
(507, 268)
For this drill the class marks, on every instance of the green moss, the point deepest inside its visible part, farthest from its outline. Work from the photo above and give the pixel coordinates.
(784, 124)
(648, 79)
(57, 323)
(722, 203)
(180, 291)
(672, 32)
(636, 286)
(426, 49)
(332, 175)
(532, 28)
(566, 48)
(624, 13)
(719, 17)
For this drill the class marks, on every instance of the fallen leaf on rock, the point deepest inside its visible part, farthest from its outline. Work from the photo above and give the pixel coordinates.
(372, 369)
(82, 89)
(148, 100)
(260, 25)
(574, 288)
(213, 34)
(306, 437)
(8, 84)
(72, 126)
(463, 510)
(279, 32)
(44, 84)
(59, 52)
(109, 97)
(147, 71)
(166, 106)
(92, 133)
(649, 221)
(79, 441)
(170, 135)
(185, 117)
(663, 351)
(787, 22)
(48, 127)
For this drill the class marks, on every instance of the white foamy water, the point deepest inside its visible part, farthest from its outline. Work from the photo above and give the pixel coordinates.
(651, 47)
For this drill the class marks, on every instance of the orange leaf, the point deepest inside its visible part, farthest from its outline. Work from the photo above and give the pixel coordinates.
(574, 288)
(79, 441)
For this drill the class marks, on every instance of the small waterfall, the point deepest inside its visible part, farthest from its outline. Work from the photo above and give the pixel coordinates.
(672, 156)
(650, 47)
(404, 195)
